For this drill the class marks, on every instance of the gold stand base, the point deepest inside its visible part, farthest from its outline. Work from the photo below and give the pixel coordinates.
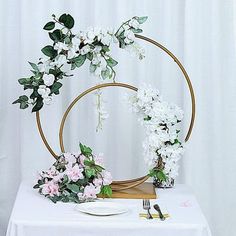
(142, 191)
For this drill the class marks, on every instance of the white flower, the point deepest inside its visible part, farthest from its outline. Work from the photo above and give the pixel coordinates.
(48, 79)
(85, 49)
(72, 52)
(134, 23)
(43, 90)
(129, 36)
(60, 46)
(59, 60)
(47, 100)
(44, 65)
(136, 50)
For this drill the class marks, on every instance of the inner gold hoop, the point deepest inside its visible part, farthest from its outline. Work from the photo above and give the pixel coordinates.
(125, 184)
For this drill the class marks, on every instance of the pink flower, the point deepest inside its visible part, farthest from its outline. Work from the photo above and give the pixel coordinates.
(50, 188)
(50, 173)
(70, 158)
(99, 159)
(81, 159)
(107, 178)
(74, 173)
(90, 191)
(97, 182)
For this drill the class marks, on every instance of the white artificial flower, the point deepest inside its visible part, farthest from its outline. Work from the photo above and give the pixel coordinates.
(59, 60)
(44, 65)
(129, 36)
(134, 23)
(136, 50)
(85, 49)
(72, 52)
(43, 90)
(47, 100)
(48, 79)
(60, 46)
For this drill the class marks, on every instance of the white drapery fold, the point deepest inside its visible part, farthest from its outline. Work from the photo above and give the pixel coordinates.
(200, 33)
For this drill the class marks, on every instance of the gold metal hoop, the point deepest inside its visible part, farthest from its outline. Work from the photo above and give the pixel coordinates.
(126, 184)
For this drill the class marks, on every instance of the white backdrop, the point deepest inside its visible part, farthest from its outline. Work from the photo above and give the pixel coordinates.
(200, 33)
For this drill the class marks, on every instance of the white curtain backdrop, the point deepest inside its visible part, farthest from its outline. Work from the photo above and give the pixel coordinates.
(200, 33)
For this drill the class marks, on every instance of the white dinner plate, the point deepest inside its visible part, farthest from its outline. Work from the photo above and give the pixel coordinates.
(101, 208)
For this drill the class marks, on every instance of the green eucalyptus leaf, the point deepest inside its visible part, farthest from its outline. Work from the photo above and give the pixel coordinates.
(49, 51)
(49, 26)
(67, 20)
(92, 68)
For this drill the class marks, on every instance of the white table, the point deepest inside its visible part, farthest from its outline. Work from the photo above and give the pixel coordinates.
(34, 215)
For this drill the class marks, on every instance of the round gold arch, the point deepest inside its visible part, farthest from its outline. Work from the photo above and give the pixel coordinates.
(125, 184)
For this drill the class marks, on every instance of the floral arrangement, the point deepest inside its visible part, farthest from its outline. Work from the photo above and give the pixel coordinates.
(162, 148)
(75, 177)
(70, 51)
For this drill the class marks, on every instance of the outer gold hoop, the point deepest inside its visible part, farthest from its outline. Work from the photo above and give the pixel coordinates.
(126, 184)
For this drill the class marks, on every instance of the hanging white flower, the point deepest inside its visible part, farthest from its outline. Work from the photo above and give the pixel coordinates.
(85, 49)
(48, 79)
(134, 23)
(129, 36)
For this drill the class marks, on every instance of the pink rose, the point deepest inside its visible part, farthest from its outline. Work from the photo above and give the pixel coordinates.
(74, 173)
(90, 191)
(50, 188)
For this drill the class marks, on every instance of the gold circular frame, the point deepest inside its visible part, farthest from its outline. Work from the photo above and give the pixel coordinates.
(125, 184)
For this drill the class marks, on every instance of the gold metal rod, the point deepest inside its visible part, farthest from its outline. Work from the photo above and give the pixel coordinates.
(43, 136)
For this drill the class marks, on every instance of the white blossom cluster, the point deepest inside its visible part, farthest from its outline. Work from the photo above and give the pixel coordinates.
(99, 63)
(160, 120)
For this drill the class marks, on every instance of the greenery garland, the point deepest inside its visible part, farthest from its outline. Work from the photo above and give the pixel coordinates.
(69, 49)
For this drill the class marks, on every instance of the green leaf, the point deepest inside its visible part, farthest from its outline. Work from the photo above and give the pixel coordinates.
(90, 172)
(147, 118)
(106, 190)
(34, 66)
(87, 151)
(105, 73)
(55, 87)
(49, 26)
(79, 60)
(49, 51)
(142, 19)
(23, 105)
(92, 68)
(111, 62)
(38, 105)
(89, 56)
(137, 31)
(67, 20)
(73, 187)
(105, 48)
(56, 35)
(24, 81)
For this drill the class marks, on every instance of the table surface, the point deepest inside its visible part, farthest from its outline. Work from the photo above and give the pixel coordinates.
(34, 215)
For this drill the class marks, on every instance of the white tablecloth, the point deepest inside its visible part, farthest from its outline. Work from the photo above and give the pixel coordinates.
(34, 215)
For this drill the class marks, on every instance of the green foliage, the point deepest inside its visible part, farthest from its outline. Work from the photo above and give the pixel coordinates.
(73, 187)
(158, 173)
(79, 60)
(87, 151)
(56, 35)
(38, 105)
(142, 19)
(111, 62)
(23, 101)
(106, 191)
(55, 87)
(147, 118)
(49, 26)
(67, 20)
(49, 51)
